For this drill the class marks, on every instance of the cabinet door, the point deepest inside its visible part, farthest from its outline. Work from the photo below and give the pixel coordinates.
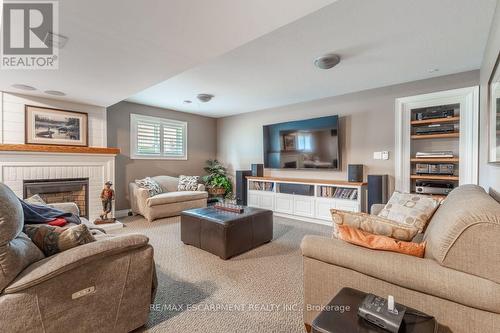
(348, 206)
(253, 199)
(284, 203)
(323, 207)
(266, 201)
(303, 206)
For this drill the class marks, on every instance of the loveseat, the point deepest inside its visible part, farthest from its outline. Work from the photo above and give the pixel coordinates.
(169, 203)
(102, 286)
(458, 280)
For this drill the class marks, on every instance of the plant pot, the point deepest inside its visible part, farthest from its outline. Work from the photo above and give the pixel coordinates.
(216, 191)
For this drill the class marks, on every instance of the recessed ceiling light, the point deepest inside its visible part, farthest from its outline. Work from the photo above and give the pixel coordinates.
(54, 93)
(327, 61)
(433, 70)
(23, 87)
(204, 98)
(187, 101)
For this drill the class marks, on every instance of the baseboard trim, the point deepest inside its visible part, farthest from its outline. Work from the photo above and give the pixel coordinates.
(303, 218)
(121, 213)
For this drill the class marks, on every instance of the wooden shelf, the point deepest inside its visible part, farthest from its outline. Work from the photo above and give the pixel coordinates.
(435, 121)
(307, 181)
(436, 136)
(434, 177)
(58, 149)
(435, 160)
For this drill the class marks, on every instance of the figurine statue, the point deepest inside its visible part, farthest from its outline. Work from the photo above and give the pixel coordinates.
(107, 197)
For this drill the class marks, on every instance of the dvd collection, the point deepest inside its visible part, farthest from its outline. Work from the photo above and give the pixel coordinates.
(339, 192)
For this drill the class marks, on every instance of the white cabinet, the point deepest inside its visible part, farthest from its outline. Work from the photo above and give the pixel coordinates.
(266, 201)
(303, 206)
(346, 205)
(253, 199)
(284, 203)
(323, 206)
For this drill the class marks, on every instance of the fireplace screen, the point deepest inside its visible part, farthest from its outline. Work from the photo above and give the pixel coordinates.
(60, 190)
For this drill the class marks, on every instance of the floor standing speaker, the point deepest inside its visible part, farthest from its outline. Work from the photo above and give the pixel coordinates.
(241, 186)
(355, 172)
(258, 170)
(377, 190)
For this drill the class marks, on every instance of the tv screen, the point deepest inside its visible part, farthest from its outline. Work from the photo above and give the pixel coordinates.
(303, 144)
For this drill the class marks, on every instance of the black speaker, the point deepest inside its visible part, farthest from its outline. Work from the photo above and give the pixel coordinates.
(258, 170)
(378, 191)
(355, 173)
(241, 186)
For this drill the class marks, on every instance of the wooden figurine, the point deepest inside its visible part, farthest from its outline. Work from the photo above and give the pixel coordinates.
(107, 197)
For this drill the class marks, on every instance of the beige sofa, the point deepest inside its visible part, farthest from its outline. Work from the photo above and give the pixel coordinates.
(458, 281)
(169, 203)
(103, 286)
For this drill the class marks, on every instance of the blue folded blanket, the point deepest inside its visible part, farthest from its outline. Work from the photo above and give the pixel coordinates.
(37, 214)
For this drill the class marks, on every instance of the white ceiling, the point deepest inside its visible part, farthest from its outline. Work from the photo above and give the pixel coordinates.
(117, 48)
(381, 43)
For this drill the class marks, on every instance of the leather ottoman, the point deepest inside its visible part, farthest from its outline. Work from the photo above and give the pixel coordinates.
(226, 234)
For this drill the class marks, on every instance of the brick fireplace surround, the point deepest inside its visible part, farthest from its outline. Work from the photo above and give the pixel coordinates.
(18, 166)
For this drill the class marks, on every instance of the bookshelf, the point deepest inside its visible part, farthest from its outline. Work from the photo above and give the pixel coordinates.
(459, 136)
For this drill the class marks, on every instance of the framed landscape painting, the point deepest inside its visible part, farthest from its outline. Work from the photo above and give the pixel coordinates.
(45, 126)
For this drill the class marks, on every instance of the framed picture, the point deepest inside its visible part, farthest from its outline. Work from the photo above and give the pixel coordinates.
(289, 142)
(494, 113)
(45, 126)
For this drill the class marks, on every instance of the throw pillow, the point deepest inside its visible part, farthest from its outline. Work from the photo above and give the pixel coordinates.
(36, 200)
(149, 184)
(372, 224)
(52, 240)
(377, 242)
(410, 209)
(188, 183)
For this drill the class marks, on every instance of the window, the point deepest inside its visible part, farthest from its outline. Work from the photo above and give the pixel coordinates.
(157, 138)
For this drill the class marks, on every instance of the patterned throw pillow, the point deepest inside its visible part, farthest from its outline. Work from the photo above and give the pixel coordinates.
(188, 183)
(372, 224)
(52, 240)
(149, 184)
(410, 209)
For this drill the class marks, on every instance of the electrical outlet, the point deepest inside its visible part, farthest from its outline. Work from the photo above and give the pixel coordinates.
(385, 155)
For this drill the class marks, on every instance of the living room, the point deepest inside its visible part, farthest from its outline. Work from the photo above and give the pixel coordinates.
(237, 167)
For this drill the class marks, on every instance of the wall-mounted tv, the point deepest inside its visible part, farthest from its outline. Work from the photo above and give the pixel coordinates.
(303, 144)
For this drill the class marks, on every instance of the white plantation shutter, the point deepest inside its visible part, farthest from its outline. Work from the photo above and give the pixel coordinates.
(153, 137)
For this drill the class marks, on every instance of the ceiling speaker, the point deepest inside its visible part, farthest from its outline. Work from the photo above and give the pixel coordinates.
(327, 61)
(204, 97)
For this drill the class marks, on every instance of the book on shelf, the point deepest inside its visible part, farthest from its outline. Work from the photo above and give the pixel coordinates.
(339, 192)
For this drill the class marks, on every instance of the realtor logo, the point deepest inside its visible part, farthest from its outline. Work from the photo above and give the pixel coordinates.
(28, 28)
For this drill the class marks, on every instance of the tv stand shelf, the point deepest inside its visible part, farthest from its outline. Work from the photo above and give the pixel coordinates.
(306, 199)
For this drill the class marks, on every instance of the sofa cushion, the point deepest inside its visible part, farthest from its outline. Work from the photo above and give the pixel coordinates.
(173, 197)
(188, 183)
(372, 224)
(167, 183)
(411, 209)
(16, 249)
(52, 240)
(149, 184)
(464, 232)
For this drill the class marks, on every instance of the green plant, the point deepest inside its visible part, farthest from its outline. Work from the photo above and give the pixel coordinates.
(217, 176)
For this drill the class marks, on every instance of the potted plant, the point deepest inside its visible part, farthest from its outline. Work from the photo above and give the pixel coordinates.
(217, 180)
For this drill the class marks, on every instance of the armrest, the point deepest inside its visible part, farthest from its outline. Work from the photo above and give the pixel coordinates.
(138, 197)
(423, 275)
(376, 208)
(201, 188)
(67, 207)
(52, 266)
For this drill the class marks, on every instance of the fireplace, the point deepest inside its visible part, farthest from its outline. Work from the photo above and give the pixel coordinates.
(60, 190)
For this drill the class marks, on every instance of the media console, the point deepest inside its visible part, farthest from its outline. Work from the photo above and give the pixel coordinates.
(305, 199)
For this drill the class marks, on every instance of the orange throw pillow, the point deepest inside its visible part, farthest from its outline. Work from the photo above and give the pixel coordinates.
(377, 242)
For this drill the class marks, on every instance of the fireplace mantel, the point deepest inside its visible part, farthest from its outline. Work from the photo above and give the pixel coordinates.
(58, 149)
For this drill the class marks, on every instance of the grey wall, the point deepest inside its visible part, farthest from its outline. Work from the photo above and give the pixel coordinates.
(489, 174)
(201, 146)
(367, 125)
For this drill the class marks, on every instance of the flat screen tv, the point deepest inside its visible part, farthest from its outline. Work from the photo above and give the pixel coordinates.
(303, 144)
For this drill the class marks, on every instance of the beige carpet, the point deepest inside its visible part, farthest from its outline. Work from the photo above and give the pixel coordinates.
(258, 291)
